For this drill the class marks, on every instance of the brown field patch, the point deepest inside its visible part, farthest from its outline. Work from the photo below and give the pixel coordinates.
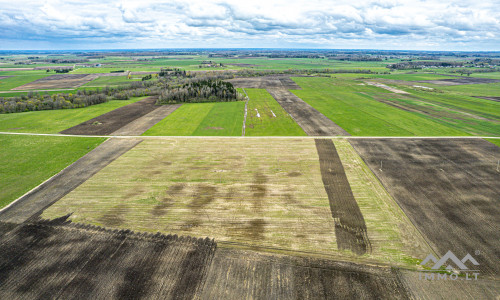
(114, 120)
(350, 227)
(312, 121)
(450, 189)
(64, 81)
(460, 81)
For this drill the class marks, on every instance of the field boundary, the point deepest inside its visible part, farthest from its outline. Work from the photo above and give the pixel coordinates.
(251, 137)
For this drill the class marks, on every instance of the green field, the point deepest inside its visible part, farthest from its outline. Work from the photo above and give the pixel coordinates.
(27, 161)
(53, 121)
(495, 141)
(267, 124)
(202, 119)
(18, 80)
(110, 81)
(371, 111)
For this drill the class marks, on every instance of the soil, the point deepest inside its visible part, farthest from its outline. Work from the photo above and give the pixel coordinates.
(47, 261)
(57, 82)
(497, 99)
(350, 227)
(241, 274)
(312, 121)
(460, 81)
(450, 190)
(114, 120)
(140, 125)
(36, 201)
(264, 82)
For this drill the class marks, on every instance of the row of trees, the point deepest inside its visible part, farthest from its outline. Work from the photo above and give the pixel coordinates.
(204, 90)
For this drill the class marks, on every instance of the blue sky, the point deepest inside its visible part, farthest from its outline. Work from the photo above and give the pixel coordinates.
(363, 24)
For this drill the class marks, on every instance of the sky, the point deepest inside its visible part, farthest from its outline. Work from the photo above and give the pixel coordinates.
(467, 25)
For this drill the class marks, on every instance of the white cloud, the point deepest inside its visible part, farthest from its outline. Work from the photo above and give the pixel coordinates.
(223, 23)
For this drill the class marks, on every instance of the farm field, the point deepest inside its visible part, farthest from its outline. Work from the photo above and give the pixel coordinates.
(203, 119)
(249, 193)
(53, 121)
(63, 81)
(8, 83)
(448, 188)
(336, 177)
(371, 111)
(267, 118)
(42, 157)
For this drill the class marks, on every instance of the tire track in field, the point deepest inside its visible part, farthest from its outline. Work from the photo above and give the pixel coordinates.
(312, 121)
(350, 227)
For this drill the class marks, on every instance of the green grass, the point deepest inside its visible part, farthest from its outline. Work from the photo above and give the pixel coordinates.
(279, 124)
(53, 121)
(110, 81)
(27, 161)
(494, 141)
(18, 80)
(353, 107)
(202, 119)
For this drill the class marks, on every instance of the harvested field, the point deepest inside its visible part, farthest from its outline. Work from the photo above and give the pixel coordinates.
(448, 289)
(57, 82)
(34, 202)
(350, 227)
(450, 189)
(237, 274)
(264, 82)
(312, 121)
(140, 125)
(497, 99)
(248, 193)
(460, 81)
(47, 261)
(112, 121)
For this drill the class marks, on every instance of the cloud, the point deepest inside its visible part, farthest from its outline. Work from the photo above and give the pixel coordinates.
(223, 23)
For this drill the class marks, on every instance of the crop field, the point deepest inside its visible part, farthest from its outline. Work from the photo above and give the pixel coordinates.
(244, 195)
(65, 81)
(372, 111)
(112, 121)
(41, 158)
(203, 119)
(448, 188)
(14, 81)
(266, 117)
(54, 121)
(334, 175)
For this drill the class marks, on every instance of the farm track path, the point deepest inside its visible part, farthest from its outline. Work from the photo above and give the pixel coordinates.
(38, 199)
(312, 121)
(139, 126)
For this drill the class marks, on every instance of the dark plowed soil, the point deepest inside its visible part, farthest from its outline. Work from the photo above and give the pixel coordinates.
(237, 274)
(47, 261)
(114, 120)
(264, 82)
(64, 81)
(460, 81)
(450, 189)
(497, 99)
(312, 121)
(37, 200)
(350, 227)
